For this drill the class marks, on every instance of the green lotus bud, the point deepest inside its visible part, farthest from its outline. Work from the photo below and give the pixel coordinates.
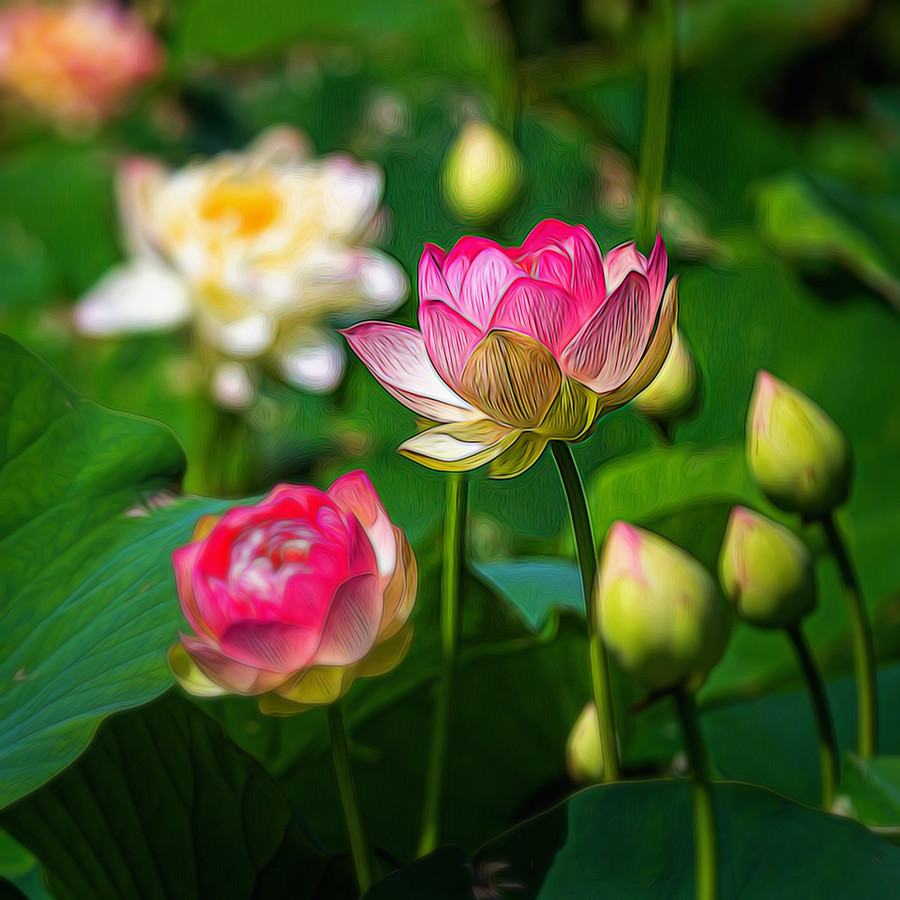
(481, 173)
(584, 755)
(673, 393)
(799, 457)
(766, 570)
(660, 611)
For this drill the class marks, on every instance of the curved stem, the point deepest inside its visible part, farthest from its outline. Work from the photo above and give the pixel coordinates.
(587, 563)
(828, 752)
(454, 545)
(863, 643)
(705, 836)
(660, 50)
(359, 845)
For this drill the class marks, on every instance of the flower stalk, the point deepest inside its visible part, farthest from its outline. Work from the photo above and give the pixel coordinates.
(705, 835)
(863, 642)
(657, 112)
(359, 845)
(828, 750)
(584, 541)
(451, 577)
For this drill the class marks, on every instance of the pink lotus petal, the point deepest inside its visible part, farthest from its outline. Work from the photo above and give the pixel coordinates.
(352, 622)
(184, 560)
(610, 345)
(231, 674)
(656, 267)
(549, 232)
(432, 285)
(460, 257)
(361, 559)
(540, 310)
(274, 646)
(356, 496)
(485, 282)
(397, 357)
(449, 339)
(620, 261)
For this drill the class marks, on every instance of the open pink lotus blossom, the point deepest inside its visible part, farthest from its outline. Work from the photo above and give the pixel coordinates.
(74, 62)
(522, 345)
(295, 597)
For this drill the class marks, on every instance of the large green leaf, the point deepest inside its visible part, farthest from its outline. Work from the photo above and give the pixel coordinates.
(634, 840)
(164, 806)
(870, 791)
(87, 595)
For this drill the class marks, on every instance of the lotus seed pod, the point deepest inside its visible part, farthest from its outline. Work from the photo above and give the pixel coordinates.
(798, 456)
(766, 571)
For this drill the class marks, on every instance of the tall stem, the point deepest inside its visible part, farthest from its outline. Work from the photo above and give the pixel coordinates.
(359, 846)
(863, 644)
(454, 545)
(587, 563)
(660, 51)
(706, 849)
(828, 752)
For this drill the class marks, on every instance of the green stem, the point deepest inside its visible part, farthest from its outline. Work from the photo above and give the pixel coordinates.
(359, 846)
(705, 837)
(454, 545)
(587, 563)
(660, 50)
(863, 643)
(828, 752)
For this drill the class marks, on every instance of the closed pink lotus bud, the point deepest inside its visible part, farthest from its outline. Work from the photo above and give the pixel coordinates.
(74, 62)
(295, 597)
(519, 346)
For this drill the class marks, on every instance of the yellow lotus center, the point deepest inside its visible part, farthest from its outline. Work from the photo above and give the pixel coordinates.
(252, 206)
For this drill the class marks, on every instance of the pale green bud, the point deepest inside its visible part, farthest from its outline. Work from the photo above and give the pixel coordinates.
(481, 172)
(660, 611)
(766, 571)
(799, 457)
(584, 755)
(672, 395)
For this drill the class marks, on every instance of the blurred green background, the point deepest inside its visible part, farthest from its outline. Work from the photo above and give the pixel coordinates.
(781, 212)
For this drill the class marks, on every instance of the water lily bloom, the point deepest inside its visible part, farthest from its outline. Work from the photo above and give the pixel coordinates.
(264, 250)
(76, 62)
(294, 598)
(522, 345)
(797, 454)
(659, 609)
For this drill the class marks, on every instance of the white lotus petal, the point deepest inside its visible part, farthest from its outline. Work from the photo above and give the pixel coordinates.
(231, 385)
(139, 296)
(314, 363)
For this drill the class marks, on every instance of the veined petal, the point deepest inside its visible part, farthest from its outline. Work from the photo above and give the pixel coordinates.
(654, 356)
(620, 261)
(522, 454)
(400, 593)
(386, 656)
(459, 446)
(142, 295)
(459, 258)
(316, 686)
(432, 285)
(657, 264)
(397, 357)
(449, 339)
(604, 354)
(272, 646)
(352, 622)
(540, 310)
(488, 277)
(215, 666)
(572, 413)
(190, 676)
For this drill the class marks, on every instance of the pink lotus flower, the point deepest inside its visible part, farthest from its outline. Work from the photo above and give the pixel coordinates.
(522, 345)
(295, 597)
(74, 62)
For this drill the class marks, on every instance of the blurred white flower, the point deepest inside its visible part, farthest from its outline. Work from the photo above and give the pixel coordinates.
(265, 251)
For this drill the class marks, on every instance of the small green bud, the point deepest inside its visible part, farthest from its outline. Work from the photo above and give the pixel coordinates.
(672, 395)
(799, 457)
(481, 173)
(660, 611)
(584, 755)
(766, 571)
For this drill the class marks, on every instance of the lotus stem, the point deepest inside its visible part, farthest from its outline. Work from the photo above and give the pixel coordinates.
(587, 563)
(451, 577)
